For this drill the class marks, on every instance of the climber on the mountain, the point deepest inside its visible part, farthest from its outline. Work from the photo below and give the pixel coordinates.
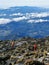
(12, 44)
(35, 46)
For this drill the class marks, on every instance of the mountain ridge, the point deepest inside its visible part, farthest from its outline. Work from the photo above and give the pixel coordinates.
(24, 29)
(27, 22)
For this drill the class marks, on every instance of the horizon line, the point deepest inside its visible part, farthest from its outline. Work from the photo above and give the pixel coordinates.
(24, 6)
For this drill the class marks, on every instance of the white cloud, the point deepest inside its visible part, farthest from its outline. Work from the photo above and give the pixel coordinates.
(45, 14)
(16, 14)
(42, 15)
(19, 18)
(31, 21)
(41, 20)
(35, 21)
(27, 16)
(4, 21)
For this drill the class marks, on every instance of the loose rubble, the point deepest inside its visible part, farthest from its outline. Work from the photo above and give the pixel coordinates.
(25, 51)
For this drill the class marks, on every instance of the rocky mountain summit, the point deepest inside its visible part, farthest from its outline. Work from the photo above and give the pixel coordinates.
(25, 51)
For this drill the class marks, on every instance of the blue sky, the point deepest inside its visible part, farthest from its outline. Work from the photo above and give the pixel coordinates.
(11, 3)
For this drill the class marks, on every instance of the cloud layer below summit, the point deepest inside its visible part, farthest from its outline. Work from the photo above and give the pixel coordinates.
(28, 16)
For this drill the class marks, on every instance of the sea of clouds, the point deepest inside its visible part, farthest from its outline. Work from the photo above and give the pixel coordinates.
(28, 16)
